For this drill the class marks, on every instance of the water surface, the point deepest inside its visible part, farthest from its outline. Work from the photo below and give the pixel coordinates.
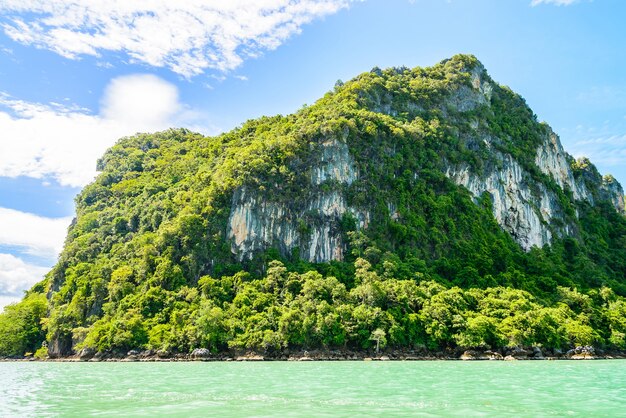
(310, 389)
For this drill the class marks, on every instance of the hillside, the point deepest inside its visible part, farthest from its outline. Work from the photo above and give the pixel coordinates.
(426, 208)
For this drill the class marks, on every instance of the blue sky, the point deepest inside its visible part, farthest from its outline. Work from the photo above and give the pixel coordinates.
(76, 75)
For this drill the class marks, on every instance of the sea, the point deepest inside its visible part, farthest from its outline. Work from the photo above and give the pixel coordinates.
(589, 388)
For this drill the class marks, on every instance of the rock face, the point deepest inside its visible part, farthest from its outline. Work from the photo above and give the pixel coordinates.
(469, 98)
(311, 224)
(59, 347)
(581, 353)
(523, 212)
(523, 206)
(86, 354)
(552, 160)
(200, 353)
(613, 191)
(335, 163)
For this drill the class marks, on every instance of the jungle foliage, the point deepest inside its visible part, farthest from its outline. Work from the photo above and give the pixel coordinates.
(146, 263)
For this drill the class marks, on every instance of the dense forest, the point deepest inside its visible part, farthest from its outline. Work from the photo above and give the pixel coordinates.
(148, 263)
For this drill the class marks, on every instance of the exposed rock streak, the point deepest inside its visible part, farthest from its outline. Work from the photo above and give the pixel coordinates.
(524, 213)
(311, 224)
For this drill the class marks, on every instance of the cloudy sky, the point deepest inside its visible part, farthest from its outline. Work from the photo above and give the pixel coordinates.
(76, 75)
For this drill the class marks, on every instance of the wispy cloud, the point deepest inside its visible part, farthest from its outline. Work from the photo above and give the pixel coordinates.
(187, 37)
(17, 276)
(64, 141)
(7, 300)
(609, 151)
(32, 234)
(556, 2)
(27, 236)
(603, 96)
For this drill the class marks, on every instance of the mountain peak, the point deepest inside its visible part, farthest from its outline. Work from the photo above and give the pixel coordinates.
(464, 62)
(427, 173)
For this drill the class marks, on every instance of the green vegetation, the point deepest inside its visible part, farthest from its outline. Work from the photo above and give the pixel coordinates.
(20, 325)
(147, 263)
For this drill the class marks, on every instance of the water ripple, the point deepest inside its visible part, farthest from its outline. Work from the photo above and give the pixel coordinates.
(320, 389)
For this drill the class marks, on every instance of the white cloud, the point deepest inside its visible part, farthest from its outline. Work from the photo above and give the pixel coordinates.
(140, 100)
(556, 2)
(27, 234)
(64, 142)
(17, 276)
(34, 234)
(608, 151)
(185, 36)
(7, 300)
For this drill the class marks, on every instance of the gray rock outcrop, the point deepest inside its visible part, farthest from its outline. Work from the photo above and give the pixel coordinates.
(257, 222)
(526, 208)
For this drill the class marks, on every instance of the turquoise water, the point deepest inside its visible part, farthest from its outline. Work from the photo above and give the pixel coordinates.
(310, 389)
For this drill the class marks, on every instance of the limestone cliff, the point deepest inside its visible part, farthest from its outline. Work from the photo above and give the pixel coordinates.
(311, 223)
(523, 205)
(611, 190)
(526, 212)
(552, 160)
(406, 175)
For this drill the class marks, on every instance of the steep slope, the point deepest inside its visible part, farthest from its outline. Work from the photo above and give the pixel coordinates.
(525, 204)
(393, 187)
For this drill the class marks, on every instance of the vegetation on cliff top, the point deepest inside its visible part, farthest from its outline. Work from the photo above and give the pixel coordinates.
(146, 263)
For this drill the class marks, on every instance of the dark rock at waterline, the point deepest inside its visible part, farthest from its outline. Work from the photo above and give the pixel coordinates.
(132, 355)
(581, 353)
(519, 353)
(86, 353)
(480, 355)
(493, 355)
(581, 350)
(60, 347)
(537, 353)
(473, 355)
(147, 353)
(250, 357)
(200, 353)
(163, 354)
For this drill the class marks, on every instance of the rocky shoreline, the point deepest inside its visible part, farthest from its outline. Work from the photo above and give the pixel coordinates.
(203, 354)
